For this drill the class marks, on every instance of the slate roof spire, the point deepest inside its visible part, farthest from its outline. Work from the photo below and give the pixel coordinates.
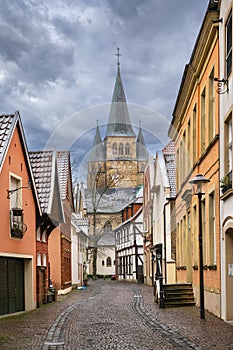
(142, 153)
(97, 149)
(119, 123)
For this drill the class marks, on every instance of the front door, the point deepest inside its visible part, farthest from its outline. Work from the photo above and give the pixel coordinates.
(11, 285)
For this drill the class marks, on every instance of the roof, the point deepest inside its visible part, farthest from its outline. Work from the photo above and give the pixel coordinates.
(43, 164)
(80, 223)
(8, 124)
(142, 153)
(119, 123)
(107, 239)
(170, 163)
(97, 150)
(129, 220)
(112, 201)
(63, 163)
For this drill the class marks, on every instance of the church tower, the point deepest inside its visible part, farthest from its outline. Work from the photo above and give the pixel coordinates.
(121, 154)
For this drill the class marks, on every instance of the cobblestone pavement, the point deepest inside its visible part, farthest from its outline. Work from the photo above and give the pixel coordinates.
(113, 315)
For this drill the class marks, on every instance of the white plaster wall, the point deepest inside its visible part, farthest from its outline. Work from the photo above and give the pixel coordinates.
(225, 101)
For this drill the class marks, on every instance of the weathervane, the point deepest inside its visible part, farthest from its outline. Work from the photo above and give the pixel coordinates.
(118, 56)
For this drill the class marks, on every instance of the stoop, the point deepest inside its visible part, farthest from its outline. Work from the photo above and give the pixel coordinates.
(178, 295)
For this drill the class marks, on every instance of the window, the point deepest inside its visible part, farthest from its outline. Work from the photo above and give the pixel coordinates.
(203, 208)
(114, 149)
(188, 145)
(203, 116)
(109, 261)
(44, 262)
(44, 235)
(211, 121)
(227, 179)
(16, 196)
(194, 134)
(38, 234)
(229, 45)
(228, 131)
(102, 262)
(16, 222)
(212, 231)
(195, 237)
(127, 150)
(121, 149)
(38, 259)
(178, 167)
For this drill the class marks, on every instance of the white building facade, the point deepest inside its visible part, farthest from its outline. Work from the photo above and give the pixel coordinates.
(79, 246)
(225, 85)
(129, 245)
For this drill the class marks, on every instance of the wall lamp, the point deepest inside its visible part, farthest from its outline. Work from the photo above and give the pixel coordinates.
(9, 192)
(221, 83)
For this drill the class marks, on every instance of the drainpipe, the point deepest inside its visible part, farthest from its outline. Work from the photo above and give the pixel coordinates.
(165, 241)
(169, 200)
(152, 243)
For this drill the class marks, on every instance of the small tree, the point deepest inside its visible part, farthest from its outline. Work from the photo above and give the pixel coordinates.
(99, 188)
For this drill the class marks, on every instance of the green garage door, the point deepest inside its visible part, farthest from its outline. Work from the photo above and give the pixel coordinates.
(11, 285)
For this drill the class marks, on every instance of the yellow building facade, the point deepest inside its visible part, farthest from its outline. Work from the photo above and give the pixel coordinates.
(195, 131)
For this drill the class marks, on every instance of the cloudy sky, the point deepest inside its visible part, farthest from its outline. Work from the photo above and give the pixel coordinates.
(58, 63)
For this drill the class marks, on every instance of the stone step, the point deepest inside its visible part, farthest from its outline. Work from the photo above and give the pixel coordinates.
(178, 295)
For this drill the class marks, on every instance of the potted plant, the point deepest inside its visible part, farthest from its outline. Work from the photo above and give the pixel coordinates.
(225, 183)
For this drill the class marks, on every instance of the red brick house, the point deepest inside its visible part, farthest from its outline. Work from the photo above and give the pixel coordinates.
(45, 171)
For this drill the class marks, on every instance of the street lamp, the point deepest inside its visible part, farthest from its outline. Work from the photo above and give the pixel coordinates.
(197, 183)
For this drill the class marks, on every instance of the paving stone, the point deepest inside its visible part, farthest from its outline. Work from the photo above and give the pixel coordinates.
(113, 315)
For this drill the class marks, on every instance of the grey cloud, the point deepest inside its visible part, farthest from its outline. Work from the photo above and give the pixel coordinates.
(58, 58)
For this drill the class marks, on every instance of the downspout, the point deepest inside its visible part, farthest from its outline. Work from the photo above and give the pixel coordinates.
(169, 200)
(165, 241)
(152, 243)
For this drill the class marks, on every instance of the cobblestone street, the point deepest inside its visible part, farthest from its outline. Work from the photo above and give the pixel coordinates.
(113, 315)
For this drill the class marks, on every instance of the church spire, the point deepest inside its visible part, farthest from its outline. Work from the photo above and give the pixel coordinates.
(142, 153)
(97, 149)
(119, 123)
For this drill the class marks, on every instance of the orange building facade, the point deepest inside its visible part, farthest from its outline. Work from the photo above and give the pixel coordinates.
(19, 206)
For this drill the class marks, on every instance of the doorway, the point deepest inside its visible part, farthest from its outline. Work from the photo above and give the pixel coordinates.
(229, 273)
(11, 285)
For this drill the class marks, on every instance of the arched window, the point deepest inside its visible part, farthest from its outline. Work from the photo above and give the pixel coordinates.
(114, 148)
(127, 150)
(109, 261)
(121, 149)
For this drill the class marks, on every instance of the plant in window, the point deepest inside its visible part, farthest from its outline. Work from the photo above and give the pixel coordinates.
(225, 183)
